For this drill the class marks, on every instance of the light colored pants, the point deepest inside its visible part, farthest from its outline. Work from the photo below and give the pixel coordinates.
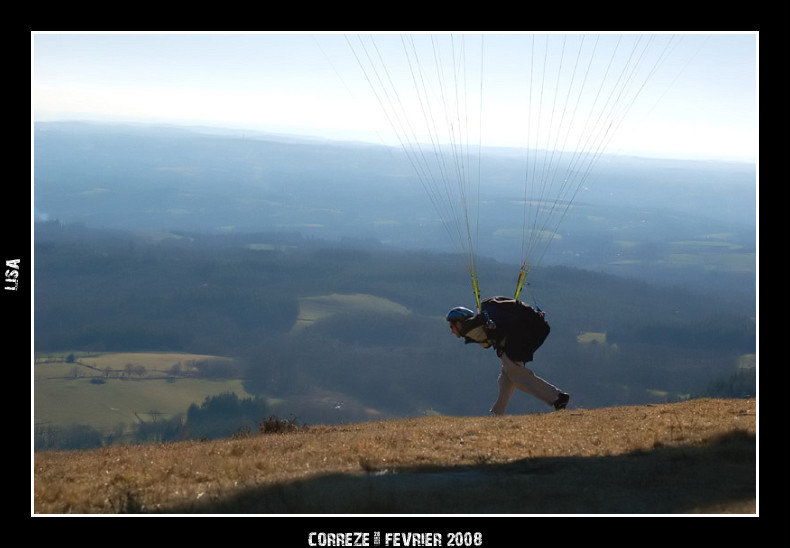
(517, 375)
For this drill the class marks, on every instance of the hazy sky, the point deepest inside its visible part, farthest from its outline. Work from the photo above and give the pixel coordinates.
(701, 100)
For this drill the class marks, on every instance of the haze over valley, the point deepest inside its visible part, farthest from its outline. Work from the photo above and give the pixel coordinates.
(670, 221)
(322, 271)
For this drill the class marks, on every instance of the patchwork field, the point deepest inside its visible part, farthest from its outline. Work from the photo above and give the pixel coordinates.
(108, 391)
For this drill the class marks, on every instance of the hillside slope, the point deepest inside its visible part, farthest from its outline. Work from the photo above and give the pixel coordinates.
(651, 459)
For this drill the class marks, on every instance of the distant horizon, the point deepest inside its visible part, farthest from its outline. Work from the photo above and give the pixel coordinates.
(354, 137)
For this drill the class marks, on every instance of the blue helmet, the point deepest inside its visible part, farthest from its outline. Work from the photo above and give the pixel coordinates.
(459, 313)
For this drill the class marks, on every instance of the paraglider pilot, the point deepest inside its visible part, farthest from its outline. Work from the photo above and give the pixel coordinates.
(516, 331)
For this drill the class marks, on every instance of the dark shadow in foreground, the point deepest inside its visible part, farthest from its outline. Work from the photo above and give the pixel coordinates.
(717, 477)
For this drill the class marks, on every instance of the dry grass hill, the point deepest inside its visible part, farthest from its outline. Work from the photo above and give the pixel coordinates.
(650, 459)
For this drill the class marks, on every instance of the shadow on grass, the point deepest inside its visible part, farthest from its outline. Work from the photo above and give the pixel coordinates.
(717, 477)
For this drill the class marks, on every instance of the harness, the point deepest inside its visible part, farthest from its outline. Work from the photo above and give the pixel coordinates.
(511, 327)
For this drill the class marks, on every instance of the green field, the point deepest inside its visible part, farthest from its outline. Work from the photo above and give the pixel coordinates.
(591, 337)
(108, 391)
(312, 309)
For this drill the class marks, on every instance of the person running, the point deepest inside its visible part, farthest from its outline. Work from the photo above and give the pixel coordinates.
(515, 330)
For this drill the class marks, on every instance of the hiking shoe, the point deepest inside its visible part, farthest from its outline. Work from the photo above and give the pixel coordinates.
(561, 401)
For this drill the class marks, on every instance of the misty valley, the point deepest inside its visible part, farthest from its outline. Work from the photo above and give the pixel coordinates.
(320, 274)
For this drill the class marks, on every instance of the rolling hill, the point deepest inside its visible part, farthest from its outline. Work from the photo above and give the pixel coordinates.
(647, 459)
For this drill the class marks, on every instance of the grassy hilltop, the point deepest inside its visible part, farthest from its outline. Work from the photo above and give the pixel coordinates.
(648, 459)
